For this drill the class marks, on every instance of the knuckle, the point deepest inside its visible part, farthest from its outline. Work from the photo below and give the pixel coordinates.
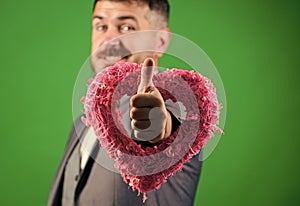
(133, 124)
(133, 99)
(137, 134)
(132, 113)
(140, 125)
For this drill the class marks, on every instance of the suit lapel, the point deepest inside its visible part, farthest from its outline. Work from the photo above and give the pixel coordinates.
(78, 131)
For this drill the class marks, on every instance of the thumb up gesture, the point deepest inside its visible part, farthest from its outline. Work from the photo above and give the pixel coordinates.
(150, 119)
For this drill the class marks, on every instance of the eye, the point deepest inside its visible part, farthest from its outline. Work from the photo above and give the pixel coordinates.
(101, 27)
(126, 28)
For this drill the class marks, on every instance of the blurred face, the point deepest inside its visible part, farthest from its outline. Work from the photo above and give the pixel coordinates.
(117, 36)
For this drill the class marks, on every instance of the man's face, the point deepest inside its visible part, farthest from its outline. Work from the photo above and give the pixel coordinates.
(115, 19)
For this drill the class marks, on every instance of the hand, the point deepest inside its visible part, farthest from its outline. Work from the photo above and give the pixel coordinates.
(150, 119)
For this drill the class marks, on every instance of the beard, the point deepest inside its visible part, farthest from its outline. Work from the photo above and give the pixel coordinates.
(114, 51)
(108, 54)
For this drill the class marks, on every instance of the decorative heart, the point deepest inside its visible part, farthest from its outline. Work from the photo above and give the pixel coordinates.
(145, 169)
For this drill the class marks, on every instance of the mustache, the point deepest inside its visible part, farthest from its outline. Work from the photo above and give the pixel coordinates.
(118, 50)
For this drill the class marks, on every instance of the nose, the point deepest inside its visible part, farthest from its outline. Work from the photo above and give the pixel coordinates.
(110, 37)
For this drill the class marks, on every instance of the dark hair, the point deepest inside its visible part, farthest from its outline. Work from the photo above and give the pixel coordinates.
(161, 6)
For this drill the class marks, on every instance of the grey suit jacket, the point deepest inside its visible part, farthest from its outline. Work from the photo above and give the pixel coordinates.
(99, 186)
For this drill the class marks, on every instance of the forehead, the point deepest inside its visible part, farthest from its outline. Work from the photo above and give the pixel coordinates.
(113, 10)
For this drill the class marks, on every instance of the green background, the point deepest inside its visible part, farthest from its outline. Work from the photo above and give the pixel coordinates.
(255, 46)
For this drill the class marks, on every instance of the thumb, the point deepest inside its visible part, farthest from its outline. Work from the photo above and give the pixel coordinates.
(146, 75)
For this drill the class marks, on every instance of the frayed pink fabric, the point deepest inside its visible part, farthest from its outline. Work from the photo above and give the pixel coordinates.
(146, 169)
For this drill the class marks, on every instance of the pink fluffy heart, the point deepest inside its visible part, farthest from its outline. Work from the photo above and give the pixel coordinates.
(145, 169)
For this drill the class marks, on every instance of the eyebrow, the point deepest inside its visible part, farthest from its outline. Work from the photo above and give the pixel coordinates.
(98, 17)
(122, 18)
(127, 17)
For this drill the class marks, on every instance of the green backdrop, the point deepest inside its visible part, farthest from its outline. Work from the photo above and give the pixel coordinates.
(255, 46)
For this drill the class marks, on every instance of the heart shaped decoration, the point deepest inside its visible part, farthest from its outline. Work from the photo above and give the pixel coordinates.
(146, 168)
